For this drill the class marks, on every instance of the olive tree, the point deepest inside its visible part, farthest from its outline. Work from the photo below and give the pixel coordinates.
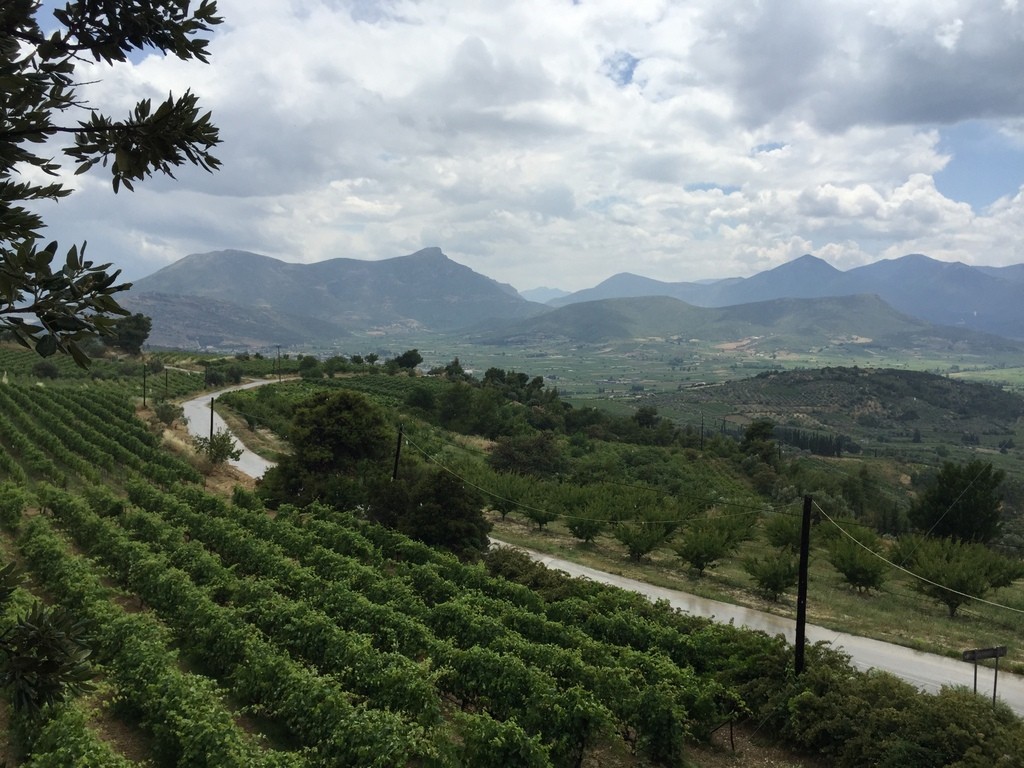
(50, 301)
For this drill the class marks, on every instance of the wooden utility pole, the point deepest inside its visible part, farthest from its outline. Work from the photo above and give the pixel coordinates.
(398, 452)
(211, 421)
(801, 592)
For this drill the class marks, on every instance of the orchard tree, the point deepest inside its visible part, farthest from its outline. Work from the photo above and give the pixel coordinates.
(853, 558)
(53, 302)
(705, 541)
(952, 572)
(962, 503)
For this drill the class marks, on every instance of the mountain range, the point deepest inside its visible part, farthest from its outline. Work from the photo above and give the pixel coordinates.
(768, 326)
(248, 295)
(226, 299)
(988, 299)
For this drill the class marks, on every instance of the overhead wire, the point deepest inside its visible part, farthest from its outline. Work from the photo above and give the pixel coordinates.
(910, 573)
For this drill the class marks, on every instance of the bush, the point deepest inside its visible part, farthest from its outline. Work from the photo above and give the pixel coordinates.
(773, 574)
(13, 500)
(219, 448)
(167, 413)
(861, 569)
(45, 369)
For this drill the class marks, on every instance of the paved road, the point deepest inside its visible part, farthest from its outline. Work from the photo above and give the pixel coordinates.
(198, 411)
(927, 671)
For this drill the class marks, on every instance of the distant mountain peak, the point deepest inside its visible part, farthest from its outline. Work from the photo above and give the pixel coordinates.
(430, 252)
(806, 263)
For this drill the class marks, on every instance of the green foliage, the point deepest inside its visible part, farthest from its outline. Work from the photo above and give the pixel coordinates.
(705, 541)
(508, 492)
(646, 531)
(588, 518)
(782, 531)
(962, 503)
(219, 448)
(130, 333)
(168, 412)
(540, 454)
(952, 572)
(341, 443)
(409, 359)
(45, 369)
(45, 658)
(855, 719)
(862, 570)
(13, 500)
(310, 368)
(435, 507)
(773, 574)
(60, 306)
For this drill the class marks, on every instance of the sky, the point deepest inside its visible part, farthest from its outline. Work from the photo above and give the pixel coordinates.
(557, 143)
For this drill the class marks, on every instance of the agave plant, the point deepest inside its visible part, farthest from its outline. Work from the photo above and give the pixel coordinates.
(44, 654)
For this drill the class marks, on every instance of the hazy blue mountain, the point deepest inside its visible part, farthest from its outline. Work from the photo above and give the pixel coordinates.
(985, 299)
(863, 320)
(543, 295)
(424, 290)
(1015, 272)
(188, 322)
(625, 285)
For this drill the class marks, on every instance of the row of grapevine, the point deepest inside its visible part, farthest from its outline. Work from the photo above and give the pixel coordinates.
(477, 640)
(184, 713)
(49, 431)
(30, 461)
(319, 713)
(61, 433)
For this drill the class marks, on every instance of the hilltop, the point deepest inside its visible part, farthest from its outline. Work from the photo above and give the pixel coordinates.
(322, 301)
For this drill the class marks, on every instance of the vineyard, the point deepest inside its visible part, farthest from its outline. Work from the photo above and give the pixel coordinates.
(224, 635)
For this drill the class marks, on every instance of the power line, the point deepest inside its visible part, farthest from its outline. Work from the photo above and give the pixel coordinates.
(911, 573)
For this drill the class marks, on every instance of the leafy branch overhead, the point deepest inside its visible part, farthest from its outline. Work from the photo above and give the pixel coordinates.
(54, 304)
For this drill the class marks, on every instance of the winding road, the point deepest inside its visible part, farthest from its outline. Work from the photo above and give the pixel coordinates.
(198, 412)
(927, 671)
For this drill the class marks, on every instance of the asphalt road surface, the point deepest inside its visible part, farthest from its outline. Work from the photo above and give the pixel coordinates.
(198, 411)
(927, 671)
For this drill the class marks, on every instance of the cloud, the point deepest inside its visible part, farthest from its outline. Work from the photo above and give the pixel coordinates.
(555, 143)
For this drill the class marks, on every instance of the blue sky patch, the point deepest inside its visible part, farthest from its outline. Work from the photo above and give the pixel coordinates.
(985, 164)
(620, 66)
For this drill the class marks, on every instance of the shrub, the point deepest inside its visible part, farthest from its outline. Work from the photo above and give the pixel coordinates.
(774, 574)
(861, 569)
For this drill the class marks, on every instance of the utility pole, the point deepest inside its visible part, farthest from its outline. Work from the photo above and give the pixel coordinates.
(398, 452)
(801, 593)
(211, 420)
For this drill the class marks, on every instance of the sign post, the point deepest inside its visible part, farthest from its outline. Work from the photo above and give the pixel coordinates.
(980, 654)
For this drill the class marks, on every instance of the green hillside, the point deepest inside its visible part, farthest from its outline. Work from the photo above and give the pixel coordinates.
(222, 635)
